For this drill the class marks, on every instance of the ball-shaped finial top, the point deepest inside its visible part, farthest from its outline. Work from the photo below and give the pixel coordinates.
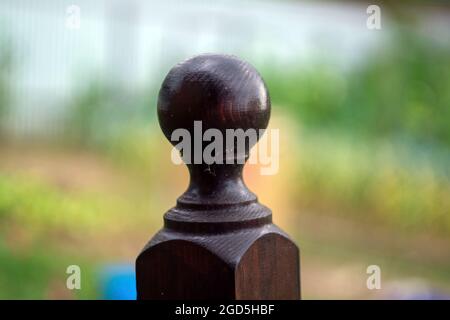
(222, 91)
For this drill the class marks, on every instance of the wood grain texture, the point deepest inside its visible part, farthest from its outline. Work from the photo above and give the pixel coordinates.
(218, 242)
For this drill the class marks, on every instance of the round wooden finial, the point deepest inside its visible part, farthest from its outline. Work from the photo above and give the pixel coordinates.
(222, 91)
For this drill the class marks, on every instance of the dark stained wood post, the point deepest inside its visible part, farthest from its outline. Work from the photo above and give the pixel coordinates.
(218, 242)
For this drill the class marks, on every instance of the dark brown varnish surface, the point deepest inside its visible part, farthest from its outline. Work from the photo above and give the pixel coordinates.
(218, 242)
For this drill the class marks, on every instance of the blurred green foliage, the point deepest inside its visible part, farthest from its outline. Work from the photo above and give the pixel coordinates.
(101, 112)
(87, 112)
(389, 182)
(375, 139)
(38, 207)
(39, 274)
(37, 219)
(43, 212)
(401, 89)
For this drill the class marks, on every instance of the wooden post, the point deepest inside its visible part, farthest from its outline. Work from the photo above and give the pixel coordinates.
(218, 242)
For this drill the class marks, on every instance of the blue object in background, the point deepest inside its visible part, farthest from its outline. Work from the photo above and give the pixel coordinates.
(118, 282)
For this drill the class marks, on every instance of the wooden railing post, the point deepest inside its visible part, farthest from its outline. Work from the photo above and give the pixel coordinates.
(218, 242)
